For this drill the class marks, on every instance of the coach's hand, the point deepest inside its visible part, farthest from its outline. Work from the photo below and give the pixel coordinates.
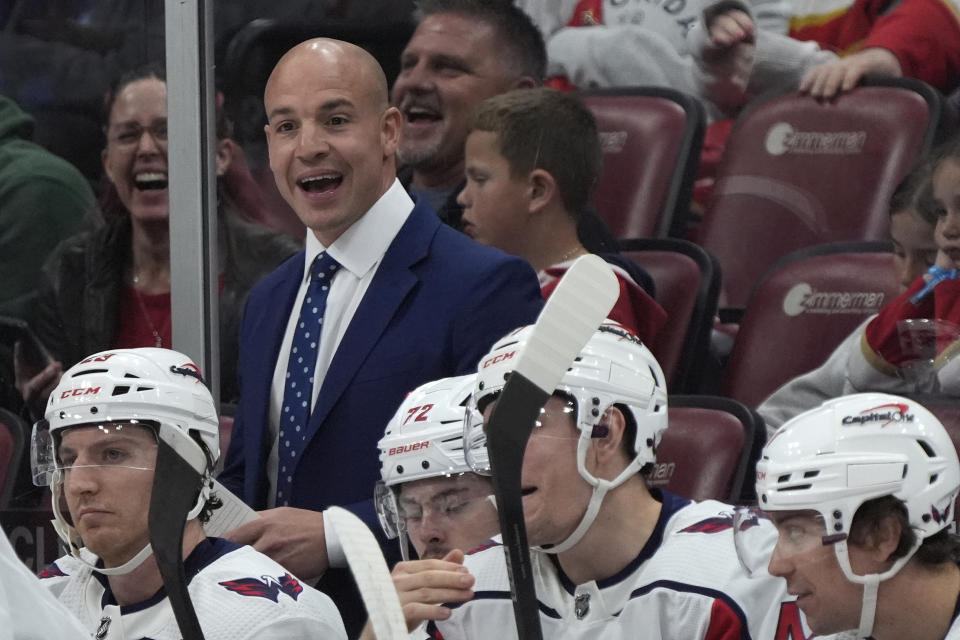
(292, 537)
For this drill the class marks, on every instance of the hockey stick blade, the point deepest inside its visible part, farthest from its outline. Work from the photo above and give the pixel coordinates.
(370, 572)
(577, 307)
(175, 485)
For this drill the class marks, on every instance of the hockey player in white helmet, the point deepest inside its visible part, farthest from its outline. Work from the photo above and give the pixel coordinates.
(428, 493)
(862, 491)
(430, 498)
(612, 558)
(97, 448)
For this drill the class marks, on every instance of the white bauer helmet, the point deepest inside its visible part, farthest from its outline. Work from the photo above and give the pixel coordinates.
(424, 439)
(856, 448)
(614, 368)
(159, 387)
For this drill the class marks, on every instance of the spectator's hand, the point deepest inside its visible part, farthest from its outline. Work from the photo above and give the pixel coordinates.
(730, 27)
(424, 584)
(828, 80)
(34, 385)
(723, 51)
(292, 537)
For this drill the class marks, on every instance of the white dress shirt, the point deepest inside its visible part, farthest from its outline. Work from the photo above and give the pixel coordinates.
(359, 250)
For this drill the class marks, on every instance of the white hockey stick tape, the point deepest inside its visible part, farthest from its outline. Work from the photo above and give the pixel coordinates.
(370, 572)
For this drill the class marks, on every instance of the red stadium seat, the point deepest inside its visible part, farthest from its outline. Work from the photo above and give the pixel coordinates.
(709, 449)
(802, 309)
(13, 433)
(798, 172)
(651, 140)
(687, 283)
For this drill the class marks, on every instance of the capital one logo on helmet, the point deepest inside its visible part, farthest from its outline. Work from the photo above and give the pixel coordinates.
(407, 448)
(188, 369)
(498, 358)
(885, 413)
(79, 391)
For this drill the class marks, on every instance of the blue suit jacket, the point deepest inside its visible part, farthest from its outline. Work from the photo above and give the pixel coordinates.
(435, 306)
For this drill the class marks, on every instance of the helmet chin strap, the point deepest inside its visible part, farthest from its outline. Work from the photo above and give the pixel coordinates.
(869, 607)
(593, 507)
(69, 535)
(600, 489)
(871, 583)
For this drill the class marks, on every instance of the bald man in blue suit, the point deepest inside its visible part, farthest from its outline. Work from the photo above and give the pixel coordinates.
(410, 301)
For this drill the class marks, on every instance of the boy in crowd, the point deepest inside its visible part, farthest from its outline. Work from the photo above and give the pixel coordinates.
(532, 159)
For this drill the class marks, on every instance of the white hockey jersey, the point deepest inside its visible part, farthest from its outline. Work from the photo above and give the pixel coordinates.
(686, 583)
(237, 593)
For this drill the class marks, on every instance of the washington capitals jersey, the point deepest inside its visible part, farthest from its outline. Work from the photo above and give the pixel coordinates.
(686, 583)
(237, 593)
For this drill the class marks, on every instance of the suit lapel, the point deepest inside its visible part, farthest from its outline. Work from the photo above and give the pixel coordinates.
(267, 326)
(390, 286)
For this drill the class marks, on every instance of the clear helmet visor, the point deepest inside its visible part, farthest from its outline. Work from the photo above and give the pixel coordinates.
(475, 439)
(124, 444)
(801, 536)
(559, 412)
(385, 500)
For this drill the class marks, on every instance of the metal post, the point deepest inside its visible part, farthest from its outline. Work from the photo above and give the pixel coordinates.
(193, 184)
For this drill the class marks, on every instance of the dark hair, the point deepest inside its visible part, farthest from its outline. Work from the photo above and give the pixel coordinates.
(546, 129)
(520, 40)
(939, 548)
(915, 193)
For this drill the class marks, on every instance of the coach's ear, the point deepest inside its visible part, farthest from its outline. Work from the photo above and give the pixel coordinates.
(607, 450)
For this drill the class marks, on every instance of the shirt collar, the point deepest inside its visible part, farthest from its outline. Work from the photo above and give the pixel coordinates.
(364, 244)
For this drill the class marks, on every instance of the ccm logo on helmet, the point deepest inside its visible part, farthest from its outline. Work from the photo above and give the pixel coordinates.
(407, 448)
(82, 391)
(885, 413)
(495, 359)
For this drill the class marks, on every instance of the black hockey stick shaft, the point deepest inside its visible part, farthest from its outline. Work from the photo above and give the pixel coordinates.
(175, 486)
(508, 430)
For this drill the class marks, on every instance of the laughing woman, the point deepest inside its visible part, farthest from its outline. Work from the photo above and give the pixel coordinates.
(111, 288)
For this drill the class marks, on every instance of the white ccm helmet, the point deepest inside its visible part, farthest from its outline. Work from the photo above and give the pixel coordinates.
(856, 448)
(158, 387)
(614, 368)
(424, 439)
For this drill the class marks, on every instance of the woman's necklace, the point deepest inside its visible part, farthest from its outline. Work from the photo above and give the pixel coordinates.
(157, 338)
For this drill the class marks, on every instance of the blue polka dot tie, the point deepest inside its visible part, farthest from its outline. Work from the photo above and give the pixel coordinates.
(298, 389)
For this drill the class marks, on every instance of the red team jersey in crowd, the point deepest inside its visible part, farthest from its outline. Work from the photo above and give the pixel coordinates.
(634, 309)
(686, 583)
(923, 34)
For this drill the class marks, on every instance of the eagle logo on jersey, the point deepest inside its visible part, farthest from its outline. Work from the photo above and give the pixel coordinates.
(720, 523)
(53, 571)
(266, 587)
